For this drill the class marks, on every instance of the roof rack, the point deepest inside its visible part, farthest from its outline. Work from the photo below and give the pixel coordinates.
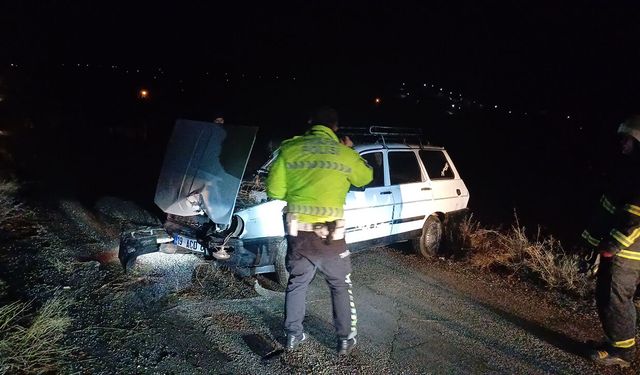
(385, 133)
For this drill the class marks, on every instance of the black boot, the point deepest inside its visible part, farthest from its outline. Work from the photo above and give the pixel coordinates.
(294, 341)
(345, 346)
(612, 357)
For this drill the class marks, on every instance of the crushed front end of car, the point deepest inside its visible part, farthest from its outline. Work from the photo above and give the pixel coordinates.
(210, 210)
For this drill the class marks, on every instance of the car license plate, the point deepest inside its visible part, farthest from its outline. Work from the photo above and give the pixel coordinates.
(188, 243)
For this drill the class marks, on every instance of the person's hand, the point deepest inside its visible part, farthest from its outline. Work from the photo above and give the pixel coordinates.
(346, 141)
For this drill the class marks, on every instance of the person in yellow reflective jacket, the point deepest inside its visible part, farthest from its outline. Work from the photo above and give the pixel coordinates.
(313, 173)
(614, 232)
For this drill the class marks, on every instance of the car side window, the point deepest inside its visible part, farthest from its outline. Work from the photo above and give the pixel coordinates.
(436, 164)
(403, 167)
(376, 161)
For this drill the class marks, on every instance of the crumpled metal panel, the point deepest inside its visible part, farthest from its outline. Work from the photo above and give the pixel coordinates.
(203, 168)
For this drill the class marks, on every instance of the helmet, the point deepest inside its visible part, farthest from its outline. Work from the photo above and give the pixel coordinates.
(631, 127)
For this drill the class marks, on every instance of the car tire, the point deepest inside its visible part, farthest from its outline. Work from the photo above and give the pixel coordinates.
(428, 243)
(280, 249)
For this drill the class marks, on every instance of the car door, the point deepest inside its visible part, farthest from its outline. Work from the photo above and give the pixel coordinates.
(369, 210)
(411, 191)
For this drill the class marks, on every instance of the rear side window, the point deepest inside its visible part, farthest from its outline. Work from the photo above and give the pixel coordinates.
(436, 164)
(404, 168)
(376, 162)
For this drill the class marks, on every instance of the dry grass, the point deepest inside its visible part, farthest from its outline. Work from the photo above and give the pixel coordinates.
(32, 345)
(539, 258)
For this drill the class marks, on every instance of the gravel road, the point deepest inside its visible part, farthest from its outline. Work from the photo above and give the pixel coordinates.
(409, 322)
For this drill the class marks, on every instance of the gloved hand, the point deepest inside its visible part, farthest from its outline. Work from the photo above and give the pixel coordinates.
(589, 261)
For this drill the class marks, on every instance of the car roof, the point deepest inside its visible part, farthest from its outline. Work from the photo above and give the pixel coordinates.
(362, 147)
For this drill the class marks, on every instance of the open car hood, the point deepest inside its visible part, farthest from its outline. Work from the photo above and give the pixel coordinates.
(203, 169)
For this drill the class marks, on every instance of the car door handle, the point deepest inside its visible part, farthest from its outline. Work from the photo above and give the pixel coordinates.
(425, 189)
(385, 192)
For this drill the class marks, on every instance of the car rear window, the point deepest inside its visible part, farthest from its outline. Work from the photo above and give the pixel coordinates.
(436, 164)
(404, 167)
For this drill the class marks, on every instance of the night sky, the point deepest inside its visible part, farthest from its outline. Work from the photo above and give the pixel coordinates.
(533, 88)
(544, 54)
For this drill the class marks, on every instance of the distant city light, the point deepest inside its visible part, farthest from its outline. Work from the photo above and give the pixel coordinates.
(568, 117)
(377, 100)
(495, 106)
(143, 94)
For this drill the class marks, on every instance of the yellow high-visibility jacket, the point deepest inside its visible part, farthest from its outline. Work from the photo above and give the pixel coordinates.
(313, 173)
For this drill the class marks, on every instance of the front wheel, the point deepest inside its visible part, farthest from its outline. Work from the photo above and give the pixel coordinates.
(280, 249)
(429, 241)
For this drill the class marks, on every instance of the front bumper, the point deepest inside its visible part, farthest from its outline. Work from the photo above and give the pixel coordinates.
(247, 257)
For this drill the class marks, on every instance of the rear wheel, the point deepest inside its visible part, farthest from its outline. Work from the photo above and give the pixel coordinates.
(280, 249)
(428, 243)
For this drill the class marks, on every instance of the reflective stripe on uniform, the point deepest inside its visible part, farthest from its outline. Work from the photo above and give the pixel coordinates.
(624, 240)
(635, 210)
(628, 254)
(607, 205)
(589, 238)
(315, 210)
(624, 344)
(319, 164)
(354, 314)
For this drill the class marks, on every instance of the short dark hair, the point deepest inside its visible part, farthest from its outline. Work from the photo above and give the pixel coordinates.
(324, 116)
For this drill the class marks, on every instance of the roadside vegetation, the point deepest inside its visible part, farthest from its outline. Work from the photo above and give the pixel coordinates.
(31, 343)
(30, 338)
(513, 251)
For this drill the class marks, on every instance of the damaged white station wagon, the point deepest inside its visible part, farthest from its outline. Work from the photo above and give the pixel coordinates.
(415, 190)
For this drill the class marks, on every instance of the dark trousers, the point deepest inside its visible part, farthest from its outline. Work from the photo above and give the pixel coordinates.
(615, 287)
(307, 253)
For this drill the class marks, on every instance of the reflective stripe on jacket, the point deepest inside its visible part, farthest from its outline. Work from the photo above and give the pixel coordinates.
(313, 173)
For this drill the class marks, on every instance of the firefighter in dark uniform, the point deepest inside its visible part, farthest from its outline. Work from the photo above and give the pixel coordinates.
(615, 232)
(313, 173)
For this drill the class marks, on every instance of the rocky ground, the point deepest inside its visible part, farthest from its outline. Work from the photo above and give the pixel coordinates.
(177, 314)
